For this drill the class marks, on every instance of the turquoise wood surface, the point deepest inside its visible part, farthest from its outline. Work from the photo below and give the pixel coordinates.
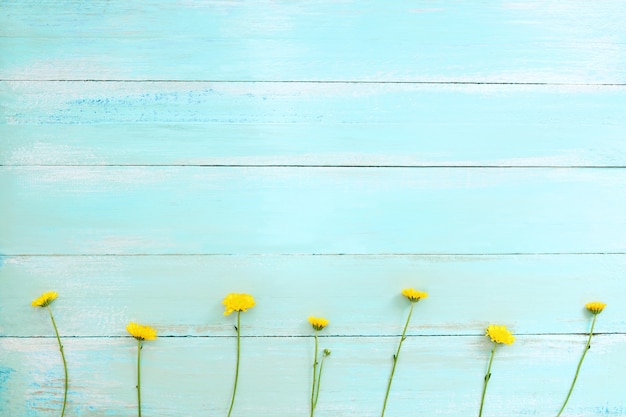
(312, 124)
(322, 156)
(175, 210)
(494, 41)
(439, 376)
(359, 294)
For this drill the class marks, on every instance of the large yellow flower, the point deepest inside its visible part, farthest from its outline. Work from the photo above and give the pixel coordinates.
(500, 334)
(595, 307)
(318, 323)
(141, 332)
(413, 295)
(238, 302)
(45, 299)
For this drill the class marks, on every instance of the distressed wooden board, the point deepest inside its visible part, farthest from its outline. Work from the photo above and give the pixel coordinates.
(209, 210)
(326, 144)
(311, 124)
(181, 295)
(484, 41)
(84, 102)
(439, 376)
(170, 224)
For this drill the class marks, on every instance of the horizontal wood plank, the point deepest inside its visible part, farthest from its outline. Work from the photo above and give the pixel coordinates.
(440, 376)
(484, 41)
(360, 295)
(310, 124)
(209, 210)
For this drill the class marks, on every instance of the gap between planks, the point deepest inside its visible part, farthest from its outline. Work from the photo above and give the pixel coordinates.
(443, 255)
(321, 166)
(327, 336)
(112, 80)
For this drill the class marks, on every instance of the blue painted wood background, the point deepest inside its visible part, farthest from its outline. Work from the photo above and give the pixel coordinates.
(322, 156)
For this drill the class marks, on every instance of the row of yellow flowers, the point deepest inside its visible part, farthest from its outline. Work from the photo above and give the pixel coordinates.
(239, 303)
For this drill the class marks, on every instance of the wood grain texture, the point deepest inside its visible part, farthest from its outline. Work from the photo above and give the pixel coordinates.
(321, 155)
(481, 41)
(138, 210)
(439, 376)
(181, 295)
(77, 123)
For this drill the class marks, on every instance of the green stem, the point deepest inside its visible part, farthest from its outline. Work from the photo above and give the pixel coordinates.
(587, 347)
(487, 378)
(232, 401)
(139, 347)
(314, 376)
(62, 357)
(319, 381)
(395, 358)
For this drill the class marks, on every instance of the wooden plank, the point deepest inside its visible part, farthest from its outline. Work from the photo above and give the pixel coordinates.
(419, 143)
(209, 210)
(193, 376)
(181, 295)
(523, 41)
(311, 124)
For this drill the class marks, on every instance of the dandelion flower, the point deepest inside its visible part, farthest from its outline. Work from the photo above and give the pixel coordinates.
(595, 307)
(497, 334)
(318, 323)
(238, 302)
(500, 334)
(413, 295)
(45, 299)
(141, 332)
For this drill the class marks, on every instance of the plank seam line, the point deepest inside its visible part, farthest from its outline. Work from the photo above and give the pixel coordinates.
(344, 336)
(538, 83)
(68, 255)
(319, 166)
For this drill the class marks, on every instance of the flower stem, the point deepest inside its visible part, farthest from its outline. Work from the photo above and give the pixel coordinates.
(395, 358)
(314, 376)
(587, 347)
(62, 357)
(232, 401)
(319, 381)
(139, 347)
(487, 378)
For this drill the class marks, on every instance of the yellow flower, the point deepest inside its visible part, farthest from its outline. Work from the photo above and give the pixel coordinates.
(45, 299)
(413, 295)
(141, 332)
(238, 302)
(595, 307)
(318, 323)
(500, 334)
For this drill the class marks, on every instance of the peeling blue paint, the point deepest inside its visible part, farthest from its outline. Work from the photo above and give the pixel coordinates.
(5, 375)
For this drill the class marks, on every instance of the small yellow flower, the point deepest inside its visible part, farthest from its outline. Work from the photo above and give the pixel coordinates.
(595, 307)
(45, 299)
(238, 302)
(141, 332)
(413, 295)
(500, 334)
(318, 323)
